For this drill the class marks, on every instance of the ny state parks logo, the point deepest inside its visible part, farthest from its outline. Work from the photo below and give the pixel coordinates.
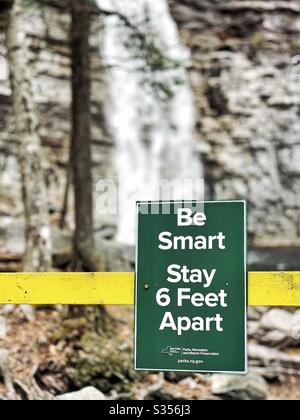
(171, 351)
(185, 351)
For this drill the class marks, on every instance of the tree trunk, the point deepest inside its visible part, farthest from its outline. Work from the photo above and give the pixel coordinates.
(81, 134)
(38, 255)
(80, 156)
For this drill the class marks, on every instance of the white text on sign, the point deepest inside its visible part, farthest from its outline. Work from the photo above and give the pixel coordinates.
(183, 274)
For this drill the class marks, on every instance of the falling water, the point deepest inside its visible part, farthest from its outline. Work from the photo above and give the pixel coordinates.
(154, 135)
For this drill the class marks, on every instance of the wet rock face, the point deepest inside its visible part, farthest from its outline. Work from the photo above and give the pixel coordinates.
(247, 88)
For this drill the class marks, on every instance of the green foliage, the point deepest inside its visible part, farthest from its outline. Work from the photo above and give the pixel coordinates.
(70, 330)
(258, 41)
(159, 71)
(145, 48)
(96, 353)
(156, 65)
(103, 362)
(31, 4)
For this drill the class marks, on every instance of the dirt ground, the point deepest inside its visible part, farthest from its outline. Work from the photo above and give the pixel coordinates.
(35, 365)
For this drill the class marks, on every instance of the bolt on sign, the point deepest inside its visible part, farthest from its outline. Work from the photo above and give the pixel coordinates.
(191, 287)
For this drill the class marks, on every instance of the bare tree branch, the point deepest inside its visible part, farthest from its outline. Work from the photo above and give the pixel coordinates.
(121, 16)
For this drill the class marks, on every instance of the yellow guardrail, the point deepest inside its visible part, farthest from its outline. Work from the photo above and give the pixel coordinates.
(265, 288)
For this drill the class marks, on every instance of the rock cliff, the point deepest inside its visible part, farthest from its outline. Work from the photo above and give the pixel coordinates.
(246, 79)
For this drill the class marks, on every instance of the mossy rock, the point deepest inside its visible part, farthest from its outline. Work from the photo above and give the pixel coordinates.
(70, 330)
(103, 362)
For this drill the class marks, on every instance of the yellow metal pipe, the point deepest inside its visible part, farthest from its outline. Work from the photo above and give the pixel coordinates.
(265, 288)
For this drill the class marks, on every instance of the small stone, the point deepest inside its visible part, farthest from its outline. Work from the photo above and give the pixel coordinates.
(262, 309)
(253, 329)
(242, 388)
(8, 309)
(190, 383)
(266, 356)
(28, 312)
(278, 319)
(86, 394)
(3, 361)
(253, 314)
(296, 326)
(275, 339)
(177, 377)
(3, 328)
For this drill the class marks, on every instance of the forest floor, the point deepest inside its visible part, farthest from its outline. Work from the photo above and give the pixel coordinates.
(35, 363)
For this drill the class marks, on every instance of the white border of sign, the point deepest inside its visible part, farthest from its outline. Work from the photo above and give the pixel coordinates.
(138, 204)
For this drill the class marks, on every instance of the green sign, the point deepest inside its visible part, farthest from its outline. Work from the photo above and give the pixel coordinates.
(191, 287)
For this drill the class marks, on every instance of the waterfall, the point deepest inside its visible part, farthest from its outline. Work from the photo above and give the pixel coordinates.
(154, 131)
